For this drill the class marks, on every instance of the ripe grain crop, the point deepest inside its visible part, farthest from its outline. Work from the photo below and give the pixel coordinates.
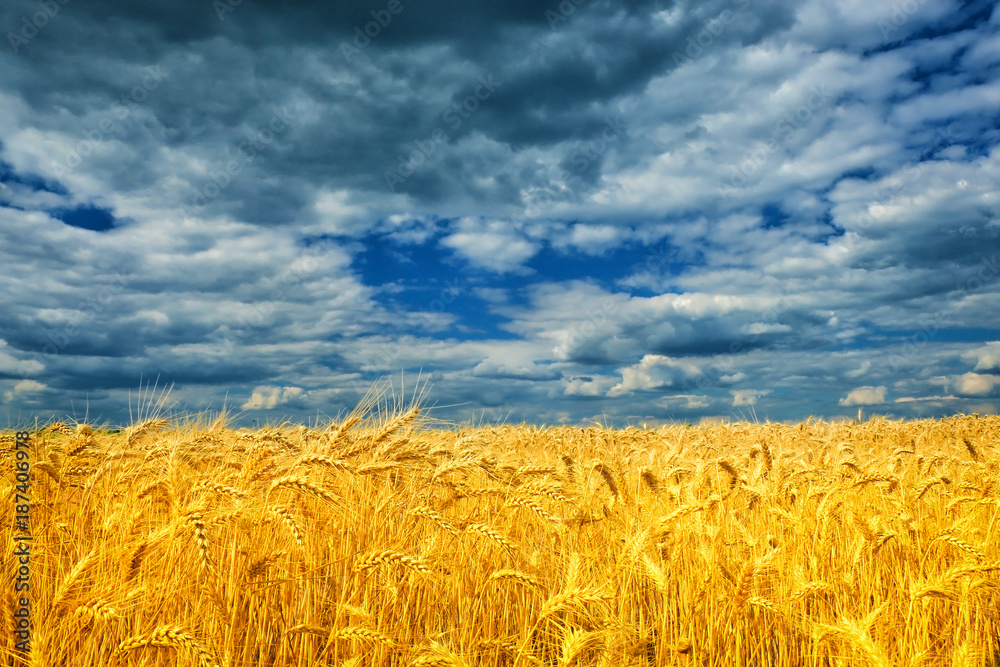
(387, 539)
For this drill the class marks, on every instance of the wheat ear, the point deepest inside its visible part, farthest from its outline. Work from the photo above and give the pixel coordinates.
(389, 557)
(171, 637)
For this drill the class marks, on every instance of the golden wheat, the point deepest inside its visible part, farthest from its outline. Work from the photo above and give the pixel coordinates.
(864, 542)
(171, 637)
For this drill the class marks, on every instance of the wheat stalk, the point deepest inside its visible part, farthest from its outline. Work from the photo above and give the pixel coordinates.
(71, 580)
(135, 433)
(534, 507)
(303, 485)
(97, 609)
(388, 557)
(492, 535)
(515, 575)
(259, 566)
(575, 644)
(335, 465)
(170, 637)
(871, 478)
(576, 599)
(364, 634)
(609, 479)
(960, 544)
(196, 519)
(286, 517)
(135, 558)
(428, 513)
(343, 428)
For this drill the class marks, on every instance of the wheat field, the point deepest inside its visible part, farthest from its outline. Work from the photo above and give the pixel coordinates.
(389, 539)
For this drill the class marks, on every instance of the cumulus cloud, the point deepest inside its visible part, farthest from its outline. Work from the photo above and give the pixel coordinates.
(975, 384)
(268, 398)
(592, 239)
(23, 387)
(686, 401)
(12, 367)
(864, 396)
(588, 385)
(491, 245)
(498, 368)
(748, 396)
(656, 373)
(987, 357)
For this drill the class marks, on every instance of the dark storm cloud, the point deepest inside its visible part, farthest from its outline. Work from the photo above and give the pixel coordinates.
(351, 117)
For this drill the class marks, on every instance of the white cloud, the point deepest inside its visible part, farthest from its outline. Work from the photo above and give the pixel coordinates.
(987, 358)
(929, 399)
(596, 239)
(588, 386)
(492, 245)
(861, 370)
(511, 368)
(12, 366)
(335, 211)
(748, 396)
(864, 396)
(758, 328)
(267, 398)
(975, 384)
(23, 387)
(686, 401)
(655, 372)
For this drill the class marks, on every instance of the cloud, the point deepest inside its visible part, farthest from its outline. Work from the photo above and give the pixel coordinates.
(12, 367)
(987, 357)
(656, 373)
(939, 400)
(23, 387)
(268, 398)
(859, 371)
(593, 239)
(686, 401)
(864, 396)
(513, 368)
(757, 328)
(975, 384)
(748, 396)
(596, 386)
(490, 245)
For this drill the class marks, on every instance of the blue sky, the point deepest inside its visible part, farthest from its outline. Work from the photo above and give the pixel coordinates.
(631, 212)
